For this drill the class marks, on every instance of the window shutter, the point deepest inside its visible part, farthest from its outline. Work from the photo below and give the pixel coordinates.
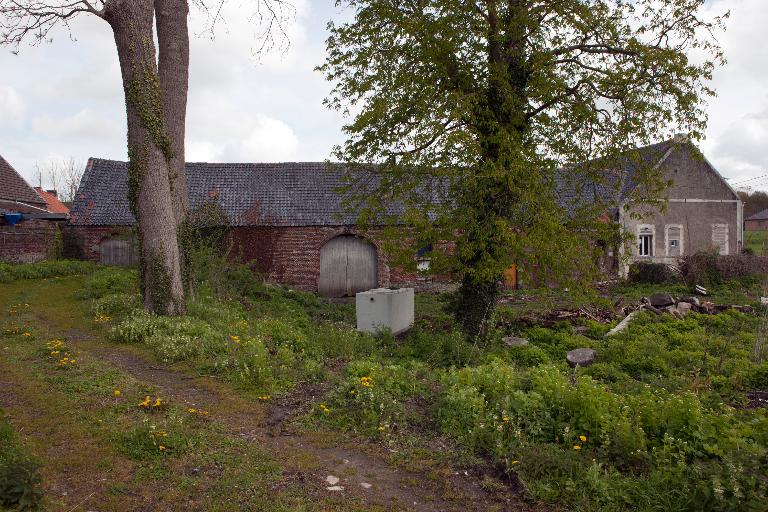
(720, 237)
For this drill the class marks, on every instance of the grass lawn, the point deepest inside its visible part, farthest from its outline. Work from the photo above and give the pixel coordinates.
(757, 241)
(261, 393)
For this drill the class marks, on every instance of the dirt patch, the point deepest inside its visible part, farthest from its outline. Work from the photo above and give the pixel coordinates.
(179, 386)
(9, 395)
(757, 398)
(360, 475)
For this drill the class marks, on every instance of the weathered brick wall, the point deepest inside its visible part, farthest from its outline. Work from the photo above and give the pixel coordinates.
(27, 241)
(83, 242)
(287, 255)
(291, 255)
(756, 225)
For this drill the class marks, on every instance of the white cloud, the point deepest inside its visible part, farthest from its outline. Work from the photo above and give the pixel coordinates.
(12, 107)
(87, 124)
(270, 140)
(738, 118)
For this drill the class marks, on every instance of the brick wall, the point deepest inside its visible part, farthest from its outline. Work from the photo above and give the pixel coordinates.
(756, 225)
(287, 255)
(83, 242)
(28, 241)
(291, 255)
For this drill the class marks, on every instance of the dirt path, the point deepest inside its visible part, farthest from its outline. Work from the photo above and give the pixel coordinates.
(352, 471)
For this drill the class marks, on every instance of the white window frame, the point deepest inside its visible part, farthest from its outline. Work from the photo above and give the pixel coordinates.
(667, 239)
(646, 230)
(726, 248)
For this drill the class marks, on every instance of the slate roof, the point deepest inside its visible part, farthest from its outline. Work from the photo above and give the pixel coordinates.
(763, 215)
(298, 193)
(270, 194)
(14, 188)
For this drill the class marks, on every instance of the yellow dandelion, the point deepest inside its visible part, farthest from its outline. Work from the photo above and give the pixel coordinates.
(117, 392)
(576, 447)
(157, 403)
(192, 410)
(161, 448)
(515, 462)
(505, 418)
(583, 439)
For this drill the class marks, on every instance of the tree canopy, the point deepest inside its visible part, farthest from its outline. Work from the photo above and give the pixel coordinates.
(505, 106)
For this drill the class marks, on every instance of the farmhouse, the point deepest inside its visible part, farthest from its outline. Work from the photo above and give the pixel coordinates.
(290, 222)
(29, 223)
(702, 211)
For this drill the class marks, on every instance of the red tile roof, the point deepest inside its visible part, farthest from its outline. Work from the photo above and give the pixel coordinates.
(52, 201)
(14, 188)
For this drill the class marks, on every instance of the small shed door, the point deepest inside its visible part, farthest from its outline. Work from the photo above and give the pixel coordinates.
(347, 266)
(118, 251)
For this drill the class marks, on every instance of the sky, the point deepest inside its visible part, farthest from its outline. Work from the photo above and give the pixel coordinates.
(63, 99)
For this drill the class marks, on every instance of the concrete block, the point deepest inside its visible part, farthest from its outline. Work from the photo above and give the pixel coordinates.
(382, 308)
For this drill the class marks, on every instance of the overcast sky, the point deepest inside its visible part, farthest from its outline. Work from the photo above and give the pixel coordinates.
(64, 99)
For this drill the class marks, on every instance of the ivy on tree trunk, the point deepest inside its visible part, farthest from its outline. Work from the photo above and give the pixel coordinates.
(150, 151)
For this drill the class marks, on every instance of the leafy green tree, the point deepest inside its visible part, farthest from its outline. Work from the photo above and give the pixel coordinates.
(475, 111)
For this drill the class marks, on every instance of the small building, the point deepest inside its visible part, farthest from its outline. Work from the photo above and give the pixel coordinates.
(29, 230)
(757, 222)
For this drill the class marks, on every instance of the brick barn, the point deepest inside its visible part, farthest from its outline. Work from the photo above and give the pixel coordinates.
(290, 221)
(30, 221)
(287, 219)
(757, 222)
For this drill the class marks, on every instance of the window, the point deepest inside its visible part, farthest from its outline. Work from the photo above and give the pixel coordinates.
(674, 234)
(645, 240)
(646, 245)
(720, 237)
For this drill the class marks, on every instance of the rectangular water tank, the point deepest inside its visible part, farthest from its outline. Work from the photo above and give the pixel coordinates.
(383, 308)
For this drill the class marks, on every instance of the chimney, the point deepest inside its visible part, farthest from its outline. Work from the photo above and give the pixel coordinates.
(53, 193)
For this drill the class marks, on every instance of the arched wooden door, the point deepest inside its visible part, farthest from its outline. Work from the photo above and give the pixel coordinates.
(347, 265)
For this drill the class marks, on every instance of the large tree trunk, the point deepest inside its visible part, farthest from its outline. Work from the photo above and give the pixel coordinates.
(149, 150)
(173, 66)
(502, 130)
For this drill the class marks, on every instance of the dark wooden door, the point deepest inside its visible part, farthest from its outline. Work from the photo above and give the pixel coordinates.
(347, 265)
(118, 251)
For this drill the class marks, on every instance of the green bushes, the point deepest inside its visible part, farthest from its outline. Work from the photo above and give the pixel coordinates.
(10, 272)
(19, 477)
(378, 399)
(709, 268)
(651, 273)
(578, 442)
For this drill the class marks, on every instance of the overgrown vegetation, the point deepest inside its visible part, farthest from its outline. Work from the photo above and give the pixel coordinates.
(45, 269)
(662, 420)
(19, 476)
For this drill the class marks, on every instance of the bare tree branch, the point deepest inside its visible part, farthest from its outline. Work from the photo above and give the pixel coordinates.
(34, 19)
(271, 16)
